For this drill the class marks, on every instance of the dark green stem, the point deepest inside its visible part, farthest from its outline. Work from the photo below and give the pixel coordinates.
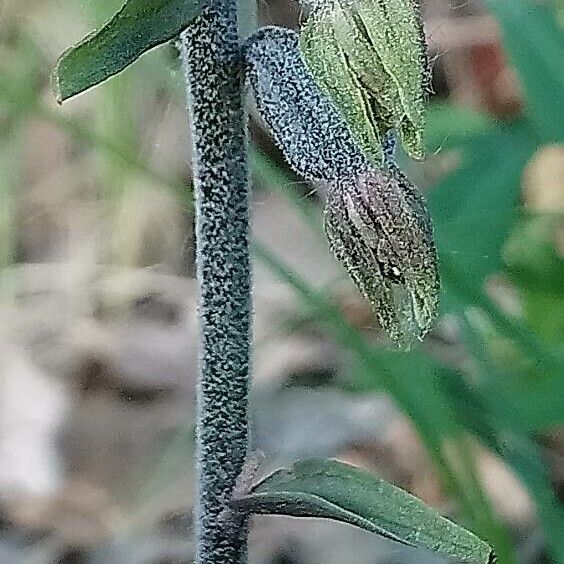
(212, 60)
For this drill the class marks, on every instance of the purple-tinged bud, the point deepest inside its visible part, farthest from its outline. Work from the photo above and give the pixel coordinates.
(378, 226)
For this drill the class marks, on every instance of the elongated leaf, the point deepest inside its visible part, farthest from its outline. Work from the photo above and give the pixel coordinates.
(139, 26)
(333, 490)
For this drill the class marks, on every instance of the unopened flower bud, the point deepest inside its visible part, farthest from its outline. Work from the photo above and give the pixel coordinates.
(378, 226)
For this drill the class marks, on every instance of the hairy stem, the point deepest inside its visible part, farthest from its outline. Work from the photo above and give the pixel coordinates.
(212, 59)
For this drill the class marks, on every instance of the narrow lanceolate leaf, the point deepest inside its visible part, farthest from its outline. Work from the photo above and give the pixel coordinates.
(139, 26)
(305, 125)
(333, 490)
(378, 226)
(369, 56)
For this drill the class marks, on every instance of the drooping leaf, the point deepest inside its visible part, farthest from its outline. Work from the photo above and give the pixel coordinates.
(139, 26)
(333, 490)
(307, 128)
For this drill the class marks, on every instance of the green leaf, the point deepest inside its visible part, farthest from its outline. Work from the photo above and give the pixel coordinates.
(481, 198)
(333, 490)
(139, 26)
(537, 268)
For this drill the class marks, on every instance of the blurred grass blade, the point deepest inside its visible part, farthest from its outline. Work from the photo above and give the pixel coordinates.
(450, 126)
(333, 490)
(266, 172)
(515, 447)
(535, 43)
(136, 28)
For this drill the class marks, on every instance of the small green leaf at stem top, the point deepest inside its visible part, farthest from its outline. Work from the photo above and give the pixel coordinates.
(369, 57)
(139, 26)
(333, 490)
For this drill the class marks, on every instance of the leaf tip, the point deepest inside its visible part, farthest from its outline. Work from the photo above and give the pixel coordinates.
(56, 86)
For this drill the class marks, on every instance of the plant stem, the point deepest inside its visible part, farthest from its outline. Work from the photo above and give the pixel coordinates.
(212, 60)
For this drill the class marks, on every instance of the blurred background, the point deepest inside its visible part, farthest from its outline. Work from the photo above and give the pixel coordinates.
(98, 330)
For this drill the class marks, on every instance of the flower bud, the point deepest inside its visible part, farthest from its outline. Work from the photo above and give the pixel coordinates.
(369, 57)
(308, 129)
(379, 228)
